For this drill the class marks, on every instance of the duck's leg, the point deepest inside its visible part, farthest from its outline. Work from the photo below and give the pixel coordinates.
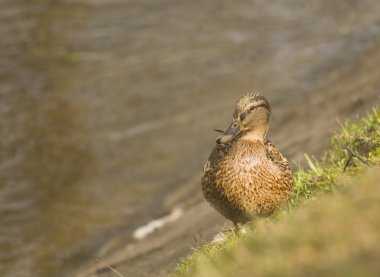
(236, 227)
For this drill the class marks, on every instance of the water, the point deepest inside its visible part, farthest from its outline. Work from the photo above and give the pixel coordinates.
(107, 107)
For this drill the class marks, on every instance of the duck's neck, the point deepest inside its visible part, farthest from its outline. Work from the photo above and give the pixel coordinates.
(256, 134)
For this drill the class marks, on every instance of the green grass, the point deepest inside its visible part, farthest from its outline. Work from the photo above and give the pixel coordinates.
(328, 227)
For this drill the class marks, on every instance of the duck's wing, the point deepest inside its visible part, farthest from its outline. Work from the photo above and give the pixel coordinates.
(276, 157)
(218, 153)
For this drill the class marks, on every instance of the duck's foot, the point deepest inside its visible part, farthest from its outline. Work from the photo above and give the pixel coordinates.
(235, 230)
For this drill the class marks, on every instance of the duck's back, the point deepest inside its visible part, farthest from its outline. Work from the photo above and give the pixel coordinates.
(246, 179)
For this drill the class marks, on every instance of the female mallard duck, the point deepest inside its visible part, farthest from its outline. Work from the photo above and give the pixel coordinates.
(245, 175)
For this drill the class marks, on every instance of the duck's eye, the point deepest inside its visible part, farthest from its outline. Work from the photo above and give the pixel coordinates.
(252, 108)
(234, 125)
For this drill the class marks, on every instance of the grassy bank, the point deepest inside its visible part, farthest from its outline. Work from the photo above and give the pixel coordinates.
(330, 225)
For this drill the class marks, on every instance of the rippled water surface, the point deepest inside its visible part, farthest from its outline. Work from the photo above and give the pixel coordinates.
(107, 107)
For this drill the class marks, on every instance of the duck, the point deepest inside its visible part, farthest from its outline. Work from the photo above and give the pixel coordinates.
(246, 176)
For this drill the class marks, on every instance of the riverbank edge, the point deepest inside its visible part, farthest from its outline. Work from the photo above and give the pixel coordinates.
(328, 177)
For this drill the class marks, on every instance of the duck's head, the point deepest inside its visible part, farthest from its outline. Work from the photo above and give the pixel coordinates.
(251, 116)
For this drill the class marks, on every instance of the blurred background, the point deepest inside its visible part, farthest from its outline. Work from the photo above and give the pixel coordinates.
(107, 110)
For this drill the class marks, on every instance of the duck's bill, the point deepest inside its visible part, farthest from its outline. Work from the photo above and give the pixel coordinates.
(230, 133)
(219, 131)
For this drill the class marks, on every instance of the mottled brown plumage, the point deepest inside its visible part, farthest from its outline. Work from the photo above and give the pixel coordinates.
(245, 175)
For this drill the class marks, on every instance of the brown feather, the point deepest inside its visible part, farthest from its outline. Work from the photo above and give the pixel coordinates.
(246, 178)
